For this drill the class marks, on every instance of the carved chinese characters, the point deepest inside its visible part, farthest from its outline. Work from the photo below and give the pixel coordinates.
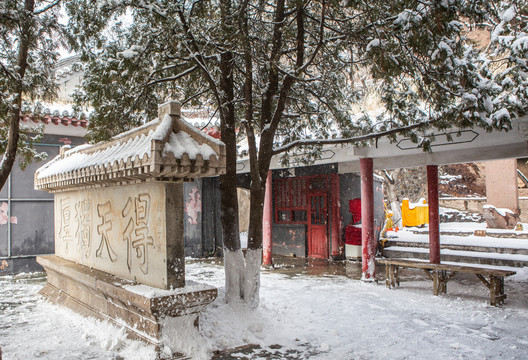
(83, 234)
(65, 218)
(103, 211)
(121, 230)
(136, 231)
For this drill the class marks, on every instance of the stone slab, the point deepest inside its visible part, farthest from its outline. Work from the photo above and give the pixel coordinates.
(136, 307)
(132, 231)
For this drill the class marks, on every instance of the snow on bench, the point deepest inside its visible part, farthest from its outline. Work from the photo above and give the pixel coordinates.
(440, 274)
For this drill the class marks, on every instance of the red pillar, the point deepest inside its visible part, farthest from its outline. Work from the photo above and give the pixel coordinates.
(367, 219)
(434, 219)
(267, 219)
(336, 216)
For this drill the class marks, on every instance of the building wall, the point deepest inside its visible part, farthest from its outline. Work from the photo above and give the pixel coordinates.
(501, 184)
(26, 215)
(291, 239)
(193, 218)
(412, 183)
(203, 224)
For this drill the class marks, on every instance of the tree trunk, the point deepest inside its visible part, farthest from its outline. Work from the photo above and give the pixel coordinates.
(233, 258)
(254, 252)
(8, 160)
(393, 197)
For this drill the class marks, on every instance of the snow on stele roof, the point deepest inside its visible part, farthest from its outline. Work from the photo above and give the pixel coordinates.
(166, 149)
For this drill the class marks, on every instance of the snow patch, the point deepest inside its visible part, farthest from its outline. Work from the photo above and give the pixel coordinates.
(163, 129)
(180, 335)
(152, 292)
(501, 211)
(181, 143)
(509, 14)
(521, 276)
(234, 269)
(243, 240)
(373, 44)
(252, 277)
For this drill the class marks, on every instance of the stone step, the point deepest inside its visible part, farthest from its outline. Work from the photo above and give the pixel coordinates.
(471, 257)
(495, 233)
(488, 249)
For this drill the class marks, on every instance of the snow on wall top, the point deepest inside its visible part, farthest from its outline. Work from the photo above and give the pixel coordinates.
(166, 149)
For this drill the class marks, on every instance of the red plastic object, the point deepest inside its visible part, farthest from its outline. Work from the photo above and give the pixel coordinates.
(352, 235)
(354, 206)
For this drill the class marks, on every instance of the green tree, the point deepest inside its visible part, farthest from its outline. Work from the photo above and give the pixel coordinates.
(287, 72)
(29, 37)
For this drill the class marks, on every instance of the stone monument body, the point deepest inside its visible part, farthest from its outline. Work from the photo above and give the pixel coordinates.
(119, 239)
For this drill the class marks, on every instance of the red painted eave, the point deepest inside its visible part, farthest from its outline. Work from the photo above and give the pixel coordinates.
(47, 119)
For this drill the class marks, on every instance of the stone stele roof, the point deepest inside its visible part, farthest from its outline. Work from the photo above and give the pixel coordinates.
(166, 149)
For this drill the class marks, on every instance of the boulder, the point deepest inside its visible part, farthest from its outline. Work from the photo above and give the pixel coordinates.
(499, 218)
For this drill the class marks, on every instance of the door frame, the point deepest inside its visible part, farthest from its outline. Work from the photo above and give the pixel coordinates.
(314, 193)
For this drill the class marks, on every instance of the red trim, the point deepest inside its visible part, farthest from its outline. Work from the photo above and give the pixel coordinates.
(337, 242)
(292, 194)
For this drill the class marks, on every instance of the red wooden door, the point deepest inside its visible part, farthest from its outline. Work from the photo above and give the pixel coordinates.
(318, 227)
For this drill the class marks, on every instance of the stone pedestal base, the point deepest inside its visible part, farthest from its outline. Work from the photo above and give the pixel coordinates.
(139, 308)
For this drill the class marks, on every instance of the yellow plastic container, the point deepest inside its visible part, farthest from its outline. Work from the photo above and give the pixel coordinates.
(415, 214)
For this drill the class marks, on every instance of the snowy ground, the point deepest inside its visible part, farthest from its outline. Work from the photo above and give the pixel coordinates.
(321, 316)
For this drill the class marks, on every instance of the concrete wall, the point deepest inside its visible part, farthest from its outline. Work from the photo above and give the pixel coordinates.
(289, 239)
(475, 205)
(464, 204)
(501, 184)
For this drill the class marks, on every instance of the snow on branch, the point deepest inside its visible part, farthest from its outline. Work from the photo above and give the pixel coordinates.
(173, 78)
(50, 6)
(354, 139)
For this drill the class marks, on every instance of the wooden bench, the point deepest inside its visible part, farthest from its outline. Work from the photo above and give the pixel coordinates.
(442, 273)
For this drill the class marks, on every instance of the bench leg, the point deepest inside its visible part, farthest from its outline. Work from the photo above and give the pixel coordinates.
(493, 291)
(497, 295)
(392, 275)
(439, 282)
(435, 282)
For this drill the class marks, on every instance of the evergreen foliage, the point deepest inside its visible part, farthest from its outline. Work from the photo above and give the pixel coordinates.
(419, 55)
(29, 37)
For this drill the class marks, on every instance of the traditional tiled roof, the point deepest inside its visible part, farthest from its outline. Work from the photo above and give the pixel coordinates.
(166, 149)
(56, 119)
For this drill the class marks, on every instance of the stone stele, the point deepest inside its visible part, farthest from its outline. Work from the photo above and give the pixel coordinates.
(119, 245)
